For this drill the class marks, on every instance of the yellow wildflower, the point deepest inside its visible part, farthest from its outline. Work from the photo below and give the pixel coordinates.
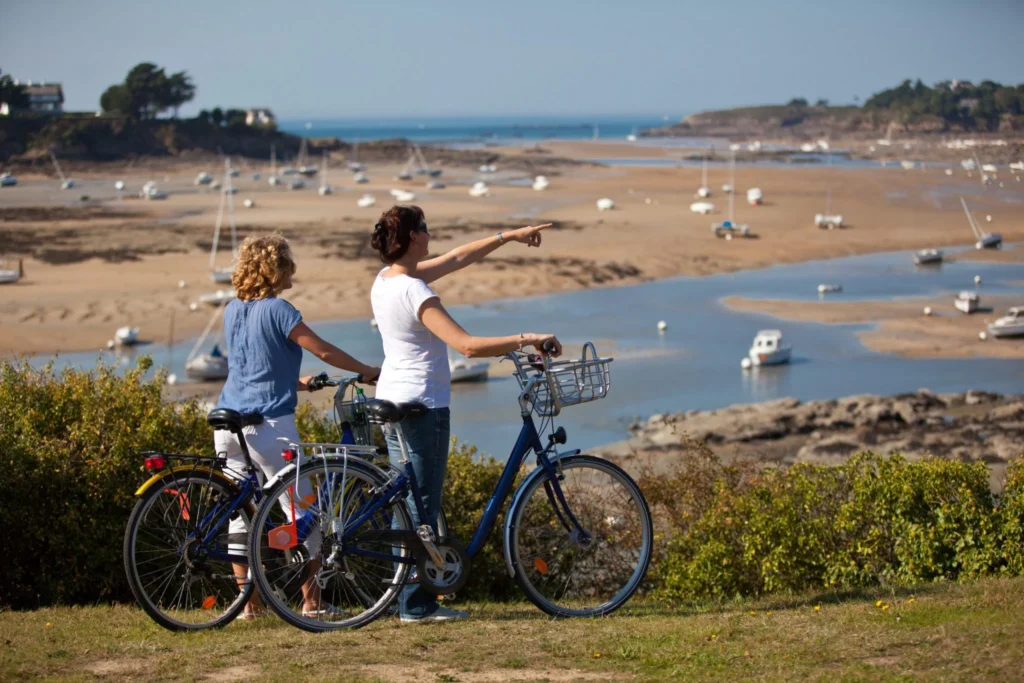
(817, 608)
(878, 604)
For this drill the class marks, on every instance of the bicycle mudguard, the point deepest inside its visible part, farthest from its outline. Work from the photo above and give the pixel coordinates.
(163, 474)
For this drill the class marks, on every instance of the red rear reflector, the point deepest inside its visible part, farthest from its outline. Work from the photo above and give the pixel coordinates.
(288, 454)
(155, 462)
(209, 602)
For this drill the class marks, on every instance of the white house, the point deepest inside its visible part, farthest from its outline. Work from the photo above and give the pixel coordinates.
(259, 117)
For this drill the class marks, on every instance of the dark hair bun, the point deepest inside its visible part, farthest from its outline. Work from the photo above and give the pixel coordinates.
(391, 234)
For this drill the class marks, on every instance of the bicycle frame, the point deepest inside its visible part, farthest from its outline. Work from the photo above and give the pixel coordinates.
(529, 440)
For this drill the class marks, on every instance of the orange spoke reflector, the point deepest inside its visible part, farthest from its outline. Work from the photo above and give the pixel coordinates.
(307, 501)
(209, 602)
(182, 501)
(540, 565)
(283, 537)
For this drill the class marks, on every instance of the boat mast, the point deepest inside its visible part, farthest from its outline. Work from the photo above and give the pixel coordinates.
(828, 192)
(704, 171)
(978, 232)
(228, 190)
(273, 160)
(216, 230)
(732, 182)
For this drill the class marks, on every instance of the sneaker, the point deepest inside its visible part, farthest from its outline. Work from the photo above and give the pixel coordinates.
(438, 614)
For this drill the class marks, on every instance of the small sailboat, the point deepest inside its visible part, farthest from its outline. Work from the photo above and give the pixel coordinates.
(479, 189)
(703, 192)
(354, 165)
(1010, 325)
(218, 298)
(223, 275)
(928, 257)
(769, 349)
(65, 182)
(828, 220)
(273, 179)
(8, 180)
(729, 229)
(305, 168)
(985, 240)
(424, 167)
(203, 178)
(11, 275)
(207, 367)
(366, 201)
(324, 188)
(605, 204)
(151, 191)
(755, 197)
(360, 178)
(541, 183)
(632, 136)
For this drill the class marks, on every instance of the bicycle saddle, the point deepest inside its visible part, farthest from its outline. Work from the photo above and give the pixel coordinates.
(232, 420)
(382, 412)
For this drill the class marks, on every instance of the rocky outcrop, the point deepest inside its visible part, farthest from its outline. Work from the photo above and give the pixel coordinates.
(976, 425)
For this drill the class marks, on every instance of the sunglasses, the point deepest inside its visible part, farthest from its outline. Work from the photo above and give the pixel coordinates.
(422, 228)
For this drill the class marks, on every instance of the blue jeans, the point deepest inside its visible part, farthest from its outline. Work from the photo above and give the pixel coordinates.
(427, 438)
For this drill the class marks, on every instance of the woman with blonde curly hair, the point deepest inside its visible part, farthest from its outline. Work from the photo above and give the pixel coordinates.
(265, 338)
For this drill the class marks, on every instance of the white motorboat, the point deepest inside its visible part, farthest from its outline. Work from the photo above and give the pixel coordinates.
(755, 197)
(479, 189)
(218, 298)
(541, 183)
(703, 208)
(360, 178)
(435, 185)
(208, 367)
(222, 276)
(1010, 325)
(11, 275)
(928, 257)
(366, 201)
(829, 289)
(203, 178)
(126, 336)
(768, 349)
(403, 195)
(985, 240)
(908, 165)
(1017, 165)
(808, 147)
(8, 180)
(488, 168)
(605, 204)
(967, 302)
(151, 191)
(728, 228)
(463, 370)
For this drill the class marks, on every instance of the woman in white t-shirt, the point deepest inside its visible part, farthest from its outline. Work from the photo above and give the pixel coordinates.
(416, 331)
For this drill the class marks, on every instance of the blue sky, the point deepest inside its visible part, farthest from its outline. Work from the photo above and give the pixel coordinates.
(442, 58)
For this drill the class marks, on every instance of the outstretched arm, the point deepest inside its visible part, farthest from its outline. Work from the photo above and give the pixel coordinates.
(437, 320)
(460, 257)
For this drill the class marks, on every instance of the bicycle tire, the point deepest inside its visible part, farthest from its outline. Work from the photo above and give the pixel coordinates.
(534, 572)
(277, 573)
(178, 506)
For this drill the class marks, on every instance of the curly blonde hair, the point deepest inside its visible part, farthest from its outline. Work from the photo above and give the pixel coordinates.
(264, 261)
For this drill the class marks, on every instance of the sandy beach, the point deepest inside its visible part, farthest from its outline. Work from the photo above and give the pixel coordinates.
(94, 266)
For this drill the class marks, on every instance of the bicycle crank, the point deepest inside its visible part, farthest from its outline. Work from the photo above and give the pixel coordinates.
(444, 579)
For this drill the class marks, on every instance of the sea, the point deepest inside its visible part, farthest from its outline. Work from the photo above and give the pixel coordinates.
(472, 131)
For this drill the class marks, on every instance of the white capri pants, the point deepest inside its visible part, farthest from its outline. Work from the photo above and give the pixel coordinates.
(265, 446)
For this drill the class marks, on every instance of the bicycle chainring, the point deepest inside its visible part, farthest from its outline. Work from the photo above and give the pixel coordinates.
(453, 576)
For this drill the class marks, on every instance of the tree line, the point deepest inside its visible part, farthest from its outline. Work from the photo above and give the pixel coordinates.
(973, 107)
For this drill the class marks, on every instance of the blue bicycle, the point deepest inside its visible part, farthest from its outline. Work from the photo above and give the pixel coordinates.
(577, 536)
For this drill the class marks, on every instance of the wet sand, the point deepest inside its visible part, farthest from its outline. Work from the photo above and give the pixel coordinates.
(91, 270)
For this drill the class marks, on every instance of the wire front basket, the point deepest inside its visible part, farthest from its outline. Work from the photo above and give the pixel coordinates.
(564, 383)
(352, 414)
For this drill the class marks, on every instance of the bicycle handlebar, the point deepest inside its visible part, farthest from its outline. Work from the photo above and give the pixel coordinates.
(323, 380)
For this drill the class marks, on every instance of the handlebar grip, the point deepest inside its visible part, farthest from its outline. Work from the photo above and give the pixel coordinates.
(548, 346)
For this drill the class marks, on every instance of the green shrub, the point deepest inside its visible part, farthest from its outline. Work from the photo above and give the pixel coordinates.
(68, 443)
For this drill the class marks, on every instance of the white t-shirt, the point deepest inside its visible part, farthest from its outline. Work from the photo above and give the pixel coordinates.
(415, 359)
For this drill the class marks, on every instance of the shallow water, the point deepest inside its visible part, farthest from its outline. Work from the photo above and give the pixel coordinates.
(696, 363)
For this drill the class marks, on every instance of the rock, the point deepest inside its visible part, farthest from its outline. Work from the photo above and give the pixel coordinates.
(976, 397)
(657, 418)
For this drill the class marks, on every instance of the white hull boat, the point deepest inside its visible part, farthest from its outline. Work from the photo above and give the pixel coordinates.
(479, 189)
(366, 201)
(1010, 325)
(826, 222)
(7, 180)
(218, 298)
(222, 276)
(985, 240)
(967, 302)
(768, 349)
(8, 276)
(208, 367)
(703, 208)
(755, 197)
(541, 183)
(126, 336)
(360, 178)
(605, 204)
(829, 289)
(928, 257)
(463, 370)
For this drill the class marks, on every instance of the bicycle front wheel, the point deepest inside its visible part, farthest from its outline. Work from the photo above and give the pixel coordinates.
(309, 581)
(180, 560)
(587, 570)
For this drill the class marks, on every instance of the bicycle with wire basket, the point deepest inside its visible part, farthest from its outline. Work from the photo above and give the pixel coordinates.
(577, 537)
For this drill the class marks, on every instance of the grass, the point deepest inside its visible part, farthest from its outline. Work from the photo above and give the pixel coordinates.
(938, 632)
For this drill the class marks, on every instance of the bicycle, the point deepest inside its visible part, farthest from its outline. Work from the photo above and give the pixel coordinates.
(179, 555)
(577, 536)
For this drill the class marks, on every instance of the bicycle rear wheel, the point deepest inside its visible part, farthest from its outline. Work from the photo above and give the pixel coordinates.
(176, 559)
(312, 585)
(571, 574)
